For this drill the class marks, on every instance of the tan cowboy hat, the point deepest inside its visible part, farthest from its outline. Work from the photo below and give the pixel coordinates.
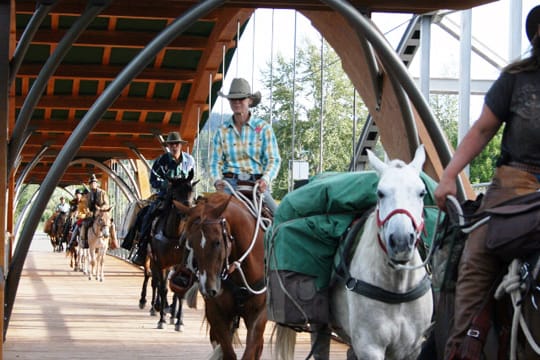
(174, 137)
(532, 22)
(93, 178)
(240, 89)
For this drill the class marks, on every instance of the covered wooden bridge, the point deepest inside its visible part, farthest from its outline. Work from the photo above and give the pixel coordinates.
(85, 84)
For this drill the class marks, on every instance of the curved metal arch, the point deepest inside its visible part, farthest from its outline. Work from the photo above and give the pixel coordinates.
(28, 168)
(112, 175)
(81, 132)
(129, 174)
(26, 38)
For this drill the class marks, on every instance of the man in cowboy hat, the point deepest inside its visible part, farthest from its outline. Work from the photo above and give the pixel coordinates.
(96, 199)
(174, 163)
(245, 147)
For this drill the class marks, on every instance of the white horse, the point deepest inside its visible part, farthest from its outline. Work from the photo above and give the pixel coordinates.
(98, 242)
(384, 305)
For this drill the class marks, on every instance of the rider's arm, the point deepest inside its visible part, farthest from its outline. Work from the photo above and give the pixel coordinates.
(472, 144)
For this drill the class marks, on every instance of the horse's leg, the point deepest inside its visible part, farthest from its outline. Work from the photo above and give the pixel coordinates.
(92, 259)
(101, 263)
(142, 299)
(162, 288)
(179, 325)
(172, 308)
(221, 329)
(255, 324)
(320, 341)
(155, 297)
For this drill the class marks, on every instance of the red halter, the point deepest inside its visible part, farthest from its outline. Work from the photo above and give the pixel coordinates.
(418, 227)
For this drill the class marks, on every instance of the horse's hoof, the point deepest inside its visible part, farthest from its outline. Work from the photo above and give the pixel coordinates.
(179, 327)
(160, 325)
(141, 305)
(152, 312)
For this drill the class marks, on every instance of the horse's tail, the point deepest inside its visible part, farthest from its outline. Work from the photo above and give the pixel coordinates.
(217, 354)
(191, 295)
(285, 342)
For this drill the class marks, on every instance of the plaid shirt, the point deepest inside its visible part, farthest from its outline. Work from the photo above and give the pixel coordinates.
(253, 151)
(166, 165)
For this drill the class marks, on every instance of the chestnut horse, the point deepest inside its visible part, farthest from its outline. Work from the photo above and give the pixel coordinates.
(227, 247)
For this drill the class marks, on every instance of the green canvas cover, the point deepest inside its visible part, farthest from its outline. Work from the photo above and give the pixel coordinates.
(310, 221)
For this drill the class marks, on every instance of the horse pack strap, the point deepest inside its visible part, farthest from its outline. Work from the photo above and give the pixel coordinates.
(514, 227)
(377, 293)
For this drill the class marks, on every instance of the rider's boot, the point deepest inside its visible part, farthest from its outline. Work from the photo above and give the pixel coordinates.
(140, 256)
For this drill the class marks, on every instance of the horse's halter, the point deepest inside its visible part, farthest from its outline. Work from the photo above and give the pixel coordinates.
(418, 226)
(227, 242)
(101, 225)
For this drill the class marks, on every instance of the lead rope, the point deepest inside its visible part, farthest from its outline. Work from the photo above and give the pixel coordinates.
(512, 285)
(255, 208)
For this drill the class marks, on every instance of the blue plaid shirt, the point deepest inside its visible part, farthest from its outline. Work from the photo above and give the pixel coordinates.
(253, 151)
(166, 165)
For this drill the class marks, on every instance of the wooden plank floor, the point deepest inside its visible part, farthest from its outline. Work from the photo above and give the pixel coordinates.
(60, 314)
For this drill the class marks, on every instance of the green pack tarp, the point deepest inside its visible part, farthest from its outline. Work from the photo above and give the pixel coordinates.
(310, 221)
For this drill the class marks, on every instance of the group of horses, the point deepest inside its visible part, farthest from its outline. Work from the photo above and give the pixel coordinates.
(216, 244)
(86, 257)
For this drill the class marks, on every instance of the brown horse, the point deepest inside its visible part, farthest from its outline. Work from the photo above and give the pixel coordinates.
(501, 325)
(228, 255)
(167, 243)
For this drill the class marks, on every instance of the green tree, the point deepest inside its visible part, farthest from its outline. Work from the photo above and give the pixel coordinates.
(303, 123)
(446, 110)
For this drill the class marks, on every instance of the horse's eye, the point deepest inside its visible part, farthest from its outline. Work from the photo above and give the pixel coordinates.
(380, 194)
(423, 193)
(216, 244)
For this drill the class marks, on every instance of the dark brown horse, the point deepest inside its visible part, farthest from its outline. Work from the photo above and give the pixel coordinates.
(167, 245)
(228, 255)
(500, 325)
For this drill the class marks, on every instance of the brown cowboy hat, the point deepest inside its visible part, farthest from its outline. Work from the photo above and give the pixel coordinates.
(240, 89)
(532, 22)
(92, 179)
(174, 137)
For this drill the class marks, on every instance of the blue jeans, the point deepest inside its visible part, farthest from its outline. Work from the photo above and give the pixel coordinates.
(267, 196)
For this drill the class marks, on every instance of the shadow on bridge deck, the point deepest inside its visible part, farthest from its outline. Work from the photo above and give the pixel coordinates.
(60, 314)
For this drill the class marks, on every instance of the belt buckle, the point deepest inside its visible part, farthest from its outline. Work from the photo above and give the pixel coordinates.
(244, 177)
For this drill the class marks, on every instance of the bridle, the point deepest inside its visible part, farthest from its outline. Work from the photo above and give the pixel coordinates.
(418, 226)
(228, 240)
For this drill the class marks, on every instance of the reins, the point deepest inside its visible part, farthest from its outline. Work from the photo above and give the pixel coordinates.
(255, 209)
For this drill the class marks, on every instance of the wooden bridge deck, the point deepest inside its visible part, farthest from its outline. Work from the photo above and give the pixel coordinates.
(60, 314)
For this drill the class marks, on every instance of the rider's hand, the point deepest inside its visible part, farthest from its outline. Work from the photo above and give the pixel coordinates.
(262, 185)
(447, 186)
(219, 185)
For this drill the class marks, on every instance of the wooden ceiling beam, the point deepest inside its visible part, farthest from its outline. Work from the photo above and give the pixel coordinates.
(103, 127)
(94, 141)
(169, 9)
(68, 102)
(107, 73)
(117, 39)
(148, 10)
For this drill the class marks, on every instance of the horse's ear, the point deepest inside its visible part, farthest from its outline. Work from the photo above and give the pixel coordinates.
(195, 182)
(419, 158)
(375, 162)
(191, 174)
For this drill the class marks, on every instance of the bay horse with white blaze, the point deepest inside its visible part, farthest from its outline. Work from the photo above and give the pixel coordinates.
(228, 254)
(383, 305)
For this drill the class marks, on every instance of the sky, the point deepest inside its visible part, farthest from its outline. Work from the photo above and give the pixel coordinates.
(274, 33)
